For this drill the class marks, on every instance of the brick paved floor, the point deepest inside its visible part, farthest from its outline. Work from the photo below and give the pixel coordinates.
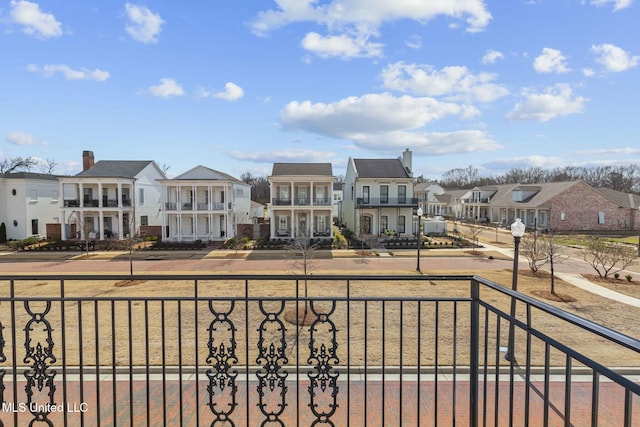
(376, 403)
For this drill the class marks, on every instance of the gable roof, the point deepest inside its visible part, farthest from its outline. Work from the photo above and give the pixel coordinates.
(380, 168)
(542, 193)
(204, 173)
(303, 169)
(116, 168)
(624, 200)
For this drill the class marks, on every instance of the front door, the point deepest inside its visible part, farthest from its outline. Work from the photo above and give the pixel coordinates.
(365, 224)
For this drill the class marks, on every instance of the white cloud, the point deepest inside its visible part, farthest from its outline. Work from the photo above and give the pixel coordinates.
(286, 155)
(373, 113)
(429, 143)
(69, 73)
(34, 21)
(503, 165)
(614, 58)
(555, 101)
(626, 151)
(414, 42)
(453, 82)
(588, 72)
(232, 92)
(551, 61)
(144, 25)
(492, 56)
(167, 88)
(21, 138)
(384, 123)
(342, 46)
(617, 4)
(364, 18)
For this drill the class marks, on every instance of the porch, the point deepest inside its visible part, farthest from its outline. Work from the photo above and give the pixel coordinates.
(376, 350)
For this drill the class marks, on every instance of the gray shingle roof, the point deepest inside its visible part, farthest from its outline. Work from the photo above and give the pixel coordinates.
(380, 168)
(303, 169)
(624, 200)
(28, 175)
(115, 168)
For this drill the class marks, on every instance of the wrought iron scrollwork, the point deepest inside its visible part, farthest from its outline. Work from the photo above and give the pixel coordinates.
(3, 358)
(323, 387)
(222, 386)
(39, 357)
(272, 357)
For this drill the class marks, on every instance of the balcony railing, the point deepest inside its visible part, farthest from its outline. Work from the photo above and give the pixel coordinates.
(386, 201)
(368, 350)
(301, 201)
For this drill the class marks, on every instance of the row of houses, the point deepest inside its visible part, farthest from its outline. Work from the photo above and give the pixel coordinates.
(119, 198)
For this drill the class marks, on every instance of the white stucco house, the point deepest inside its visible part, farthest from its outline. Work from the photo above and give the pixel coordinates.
(301, 200)
(28, 202)
(378, 196)
(110, 198)
(204, 204)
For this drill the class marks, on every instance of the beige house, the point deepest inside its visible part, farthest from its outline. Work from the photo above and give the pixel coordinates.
(301, 200)
(378, 196)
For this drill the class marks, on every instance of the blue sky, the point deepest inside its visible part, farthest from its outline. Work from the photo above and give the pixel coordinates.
(236, 85)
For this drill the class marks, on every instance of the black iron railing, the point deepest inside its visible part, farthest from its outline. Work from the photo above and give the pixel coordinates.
(293, 350)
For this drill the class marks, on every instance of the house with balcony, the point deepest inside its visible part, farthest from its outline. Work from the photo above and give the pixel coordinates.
(378, 196)
(301, 200)
(110, 198)
(429, 200)
(29, 204)
(204, 204)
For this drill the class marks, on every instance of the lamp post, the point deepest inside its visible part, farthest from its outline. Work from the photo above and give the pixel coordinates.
(517, 231)
(419, 212)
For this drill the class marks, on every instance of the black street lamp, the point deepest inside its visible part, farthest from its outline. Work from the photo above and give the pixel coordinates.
(517, 231)
(419, 212)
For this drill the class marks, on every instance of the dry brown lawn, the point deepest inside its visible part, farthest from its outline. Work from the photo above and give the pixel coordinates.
(131, 330)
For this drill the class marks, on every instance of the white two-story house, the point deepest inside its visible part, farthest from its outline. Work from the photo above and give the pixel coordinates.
(301, 200)
(378, 196)
(110, 198)
(204, 204)
(29, 204)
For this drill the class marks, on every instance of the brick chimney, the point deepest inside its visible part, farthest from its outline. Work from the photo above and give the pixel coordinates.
(87, 160)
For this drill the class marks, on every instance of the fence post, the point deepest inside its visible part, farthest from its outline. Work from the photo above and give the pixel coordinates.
(474, 343)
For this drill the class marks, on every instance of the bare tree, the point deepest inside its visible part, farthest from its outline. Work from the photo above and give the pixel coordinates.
(300, 253)
(47, 166)
(16, 164)
(535, 251)
(607, 258)
(554, 255)
(475, 229)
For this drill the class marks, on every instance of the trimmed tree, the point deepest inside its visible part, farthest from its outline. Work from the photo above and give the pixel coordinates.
(607, 258)
(3, 233)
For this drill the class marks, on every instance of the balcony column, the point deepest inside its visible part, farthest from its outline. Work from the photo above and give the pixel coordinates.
(100, 204)
(120, 204)
(120, 224)
(80, 195)
(311, 195)
(101, 223)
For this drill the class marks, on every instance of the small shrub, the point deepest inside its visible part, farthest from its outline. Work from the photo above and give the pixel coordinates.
(616, 275)
(230, 243)
(628, 277)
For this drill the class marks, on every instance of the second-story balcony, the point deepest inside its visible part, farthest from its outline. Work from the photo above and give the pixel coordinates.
(366, 202)
(219, 350)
